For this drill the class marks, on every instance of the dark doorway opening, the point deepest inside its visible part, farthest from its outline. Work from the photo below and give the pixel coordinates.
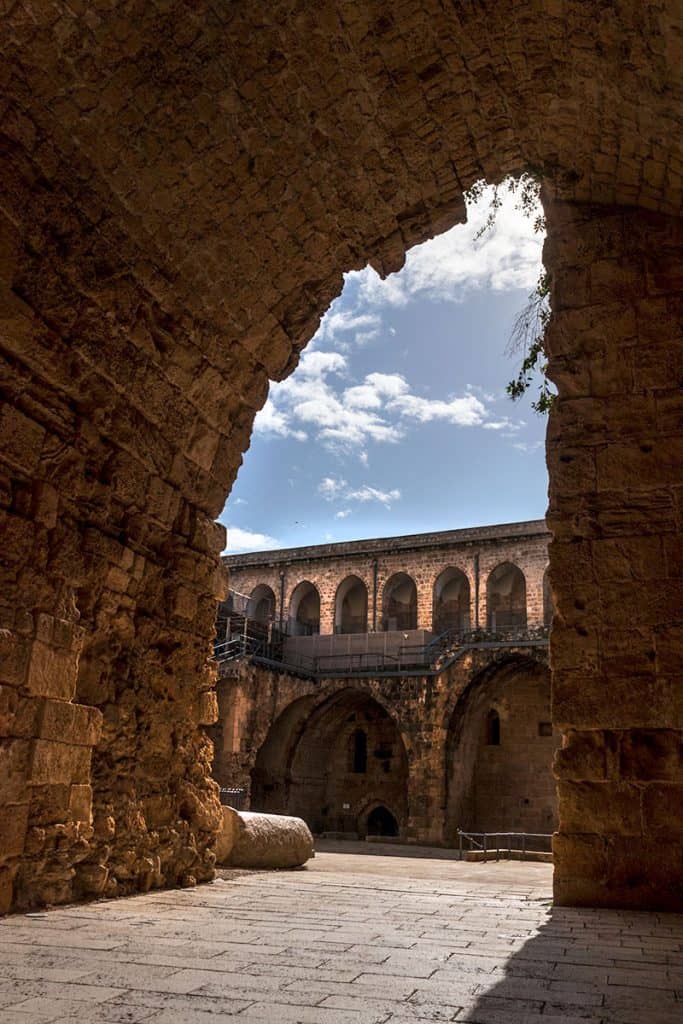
(381, 822)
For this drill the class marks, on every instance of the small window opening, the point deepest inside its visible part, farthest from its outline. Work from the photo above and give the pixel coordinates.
(360, 752)
(493, 728)
(545, 728)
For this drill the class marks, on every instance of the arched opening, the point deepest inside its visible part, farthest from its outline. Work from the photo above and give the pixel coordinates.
(548, 603)
(304, 610)
(351, 606)
(262, 604)
(506, 598)
(492, 729)
(451, 601)
(399, 603)
(498, 758)
(381, 822)
(328, 764)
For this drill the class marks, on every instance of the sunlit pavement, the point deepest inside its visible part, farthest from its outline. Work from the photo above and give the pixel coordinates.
(381, 935)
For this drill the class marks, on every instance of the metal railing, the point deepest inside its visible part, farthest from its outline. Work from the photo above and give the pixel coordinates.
(266, 645)
(235, 798)
(497, 843)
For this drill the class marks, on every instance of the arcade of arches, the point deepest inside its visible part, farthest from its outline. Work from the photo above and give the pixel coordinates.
(179, 200)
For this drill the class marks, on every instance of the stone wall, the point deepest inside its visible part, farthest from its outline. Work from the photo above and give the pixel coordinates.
(476, 552)
(286, 741)
(179, 200)
(617, 557)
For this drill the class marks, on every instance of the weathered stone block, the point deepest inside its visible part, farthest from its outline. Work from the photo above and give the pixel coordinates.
(13, 825)
(600, 807)
(80, 803)
(652, 754)
(59, 762)
(70, 723)
(52, 671)
(583, 756)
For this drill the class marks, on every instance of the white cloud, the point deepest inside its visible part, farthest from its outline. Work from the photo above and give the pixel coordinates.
(273, 422)
(466, 411)
(376, 387)
(331, 488)
(248, 540)
(319, 364)
(527, 447)
(321, 402)
(367, 493)
(239, 501)
(336, 489)
(448, 267)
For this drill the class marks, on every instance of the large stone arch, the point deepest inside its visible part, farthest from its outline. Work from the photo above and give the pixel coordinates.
(179, 200)
(500, 780)
(306, 764)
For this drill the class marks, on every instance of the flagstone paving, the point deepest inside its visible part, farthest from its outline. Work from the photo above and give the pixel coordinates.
(352, 939)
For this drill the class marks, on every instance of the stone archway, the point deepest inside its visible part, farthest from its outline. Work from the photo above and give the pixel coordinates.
(351, 606)
(312, 764)
(179, 203)
(506, 598)
(499, 752)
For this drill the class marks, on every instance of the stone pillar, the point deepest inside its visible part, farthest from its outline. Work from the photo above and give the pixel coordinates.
(110, 478)
(615, 455)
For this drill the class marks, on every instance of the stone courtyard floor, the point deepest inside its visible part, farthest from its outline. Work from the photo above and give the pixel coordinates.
(382, 935)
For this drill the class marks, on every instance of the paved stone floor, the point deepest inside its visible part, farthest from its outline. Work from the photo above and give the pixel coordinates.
(352, 939)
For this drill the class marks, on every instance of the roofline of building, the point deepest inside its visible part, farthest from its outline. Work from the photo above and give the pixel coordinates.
(376, 545)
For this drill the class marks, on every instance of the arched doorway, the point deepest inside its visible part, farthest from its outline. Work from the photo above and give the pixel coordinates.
(381, 822)
(499, 753)
(399, 603)
(328, 764)
(351, 606)
(451, 601)
(262, 603)
(304, 610)
(506, 598)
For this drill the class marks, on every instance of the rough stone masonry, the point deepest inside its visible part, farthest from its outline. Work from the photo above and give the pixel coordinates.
(182, 186)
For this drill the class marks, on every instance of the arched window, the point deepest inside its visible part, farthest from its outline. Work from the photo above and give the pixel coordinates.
(399, 604)
(506, 598)
(548, 603)
(451, 601)
(359, 752)
(262, 603)
(493, 728)
(351, 606)
(304, 610)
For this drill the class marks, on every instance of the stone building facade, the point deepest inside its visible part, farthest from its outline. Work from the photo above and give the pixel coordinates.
(434, 562)
(419, 752)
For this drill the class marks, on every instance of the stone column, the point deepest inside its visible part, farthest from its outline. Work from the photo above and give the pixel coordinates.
(110, 477)
(615, 455)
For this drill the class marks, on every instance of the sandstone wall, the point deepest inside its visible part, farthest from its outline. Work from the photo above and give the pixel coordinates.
(427, 763)
(617, 557)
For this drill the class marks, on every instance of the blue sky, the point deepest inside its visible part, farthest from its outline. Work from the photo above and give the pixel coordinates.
(396, 419)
